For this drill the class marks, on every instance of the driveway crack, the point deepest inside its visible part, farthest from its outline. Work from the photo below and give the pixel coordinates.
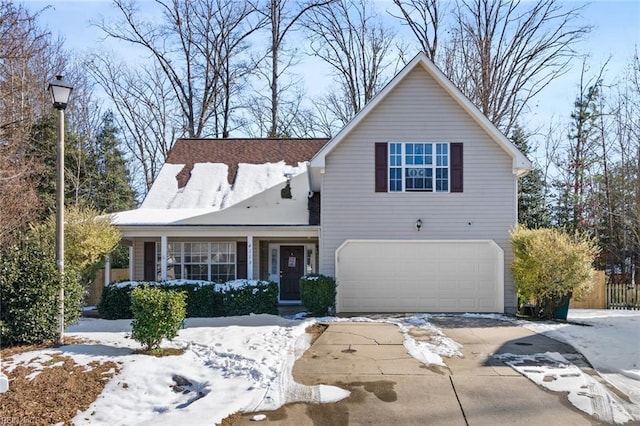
(458, 399)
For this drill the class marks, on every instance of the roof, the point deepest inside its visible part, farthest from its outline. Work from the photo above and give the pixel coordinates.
(235, 151)
(521, 165)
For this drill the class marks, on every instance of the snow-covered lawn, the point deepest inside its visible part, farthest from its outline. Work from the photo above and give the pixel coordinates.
(244, 364)
(610, 341)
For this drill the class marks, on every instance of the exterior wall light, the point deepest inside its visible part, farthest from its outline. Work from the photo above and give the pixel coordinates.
(419, 224)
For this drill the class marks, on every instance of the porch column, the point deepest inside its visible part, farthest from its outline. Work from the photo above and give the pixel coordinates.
(163, 258)
(131, 262)
(249, 257)
(107, 270)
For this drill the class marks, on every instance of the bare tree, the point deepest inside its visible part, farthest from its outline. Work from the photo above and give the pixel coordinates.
(146, 107)
(424, 18)
(352, 39)
(283, 17)
(198, 47)
(504, 52)
(500, 53)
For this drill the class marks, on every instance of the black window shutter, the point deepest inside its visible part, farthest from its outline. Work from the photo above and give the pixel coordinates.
(456, 167)
(150, 273)
(381, 159)
(241, 259)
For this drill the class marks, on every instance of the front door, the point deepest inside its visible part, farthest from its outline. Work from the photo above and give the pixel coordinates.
(291, 269)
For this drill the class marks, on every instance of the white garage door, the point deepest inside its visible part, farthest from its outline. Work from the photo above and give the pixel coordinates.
(420, 276)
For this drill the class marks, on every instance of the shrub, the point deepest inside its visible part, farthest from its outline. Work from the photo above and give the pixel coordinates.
(157, 314)
(318, 293)
(88, 238)
(202, 299)
(240, 297)
(115, 302)
(551, 265)
(258, 298)
(29, 286)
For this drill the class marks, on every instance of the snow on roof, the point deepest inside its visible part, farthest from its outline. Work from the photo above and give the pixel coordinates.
(255, 178)
(206, 191)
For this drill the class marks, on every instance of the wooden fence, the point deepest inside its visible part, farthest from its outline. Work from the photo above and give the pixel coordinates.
(95, 289)
(609, 295)
(623, 296)
(596, 299)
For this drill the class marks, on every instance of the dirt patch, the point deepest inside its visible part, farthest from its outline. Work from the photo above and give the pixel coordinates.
(160, 352)
(54, 392)
(316, 330)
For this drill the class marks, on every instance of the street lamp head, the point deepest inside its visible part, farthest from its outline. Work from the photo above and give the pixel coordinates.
(60, 91)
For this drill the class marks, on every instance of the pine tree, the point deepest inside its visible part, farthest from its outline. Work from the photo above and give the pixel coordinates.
(533, 211)
(111, 189)
(572, 210)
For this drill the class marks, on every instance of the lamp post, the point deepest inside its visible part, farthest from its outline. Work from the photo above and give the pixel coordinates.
(60, 91)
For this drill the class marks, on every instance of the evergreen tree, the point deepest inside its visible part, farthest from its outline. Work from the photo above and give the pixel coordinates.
(573, 187)
(533, 211)
(111, 189)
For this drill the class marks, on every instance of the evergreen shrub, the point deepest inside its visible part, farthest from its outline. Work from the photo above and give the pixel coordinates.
(29, 294)
(203, 299)
(259, 297)
(318, 293)
(157, 314)
(550, 266)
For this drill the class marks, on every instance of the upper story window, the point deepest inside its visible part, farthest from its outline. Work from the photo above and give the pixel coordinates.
(421, 167)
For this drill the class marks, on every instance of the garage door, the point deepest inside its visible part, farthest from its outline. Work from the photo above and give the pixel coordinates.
(420, 276)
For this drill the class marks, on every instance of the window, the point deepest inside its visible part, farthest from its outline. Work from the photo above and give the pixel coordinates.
(419, 167)
(223, 262)
(215, 261)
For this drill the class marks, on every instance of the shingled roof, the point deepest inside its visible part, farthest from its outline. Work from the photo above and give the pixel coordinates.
(234, 151)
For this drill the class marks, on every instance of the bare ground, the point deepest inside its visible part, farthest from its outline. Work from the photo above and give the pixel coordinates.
(56, 393)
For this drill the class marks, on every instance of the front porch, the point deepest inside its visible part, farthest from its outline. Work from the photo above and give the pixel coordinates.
(281, 255)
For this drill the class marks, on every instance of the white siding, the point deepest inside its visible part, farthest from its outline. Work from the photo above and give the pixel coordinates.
(418, 110)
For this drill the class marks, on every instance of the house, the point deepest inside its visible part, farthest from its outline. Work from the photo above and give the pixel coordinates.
(409, 206)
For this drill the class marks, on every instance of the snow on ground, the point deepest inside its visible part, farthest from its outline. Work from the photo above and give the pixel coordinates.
(244, 364)
(610, 341)
(231, 364)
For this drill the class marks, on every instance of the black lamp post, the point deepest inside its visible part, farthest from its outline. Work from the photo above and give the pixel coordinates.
(60, 91)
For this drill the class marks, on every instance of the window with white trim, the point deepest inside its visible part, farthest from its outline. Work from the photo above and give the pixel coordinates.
(202, 261)
(418, 167)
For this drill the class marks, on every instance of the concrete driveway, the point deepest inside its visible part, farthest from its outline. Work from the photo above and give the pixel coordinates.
(390, 387)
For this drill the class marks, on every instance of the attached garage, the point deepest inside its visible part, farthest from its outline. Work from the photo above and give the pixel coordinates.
(420, 276)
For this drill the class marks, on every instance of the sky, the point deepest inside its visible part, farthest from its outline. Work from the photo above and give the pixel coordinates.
(245, 364)
(615, 36)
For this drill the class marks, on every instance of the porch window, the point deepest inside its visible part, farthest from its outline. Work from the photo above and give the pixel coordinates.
(201, 261)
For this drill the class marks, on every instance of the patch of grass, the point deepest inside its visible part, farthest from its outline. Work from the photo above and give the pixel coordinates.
(160, 352)
(231, 419)
(316, 330)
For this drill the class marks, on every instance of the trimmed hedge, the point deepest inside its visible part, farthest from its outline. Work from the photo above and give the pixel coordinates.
(203, 299)
(261, 298)
(115, 302)
(318, 293)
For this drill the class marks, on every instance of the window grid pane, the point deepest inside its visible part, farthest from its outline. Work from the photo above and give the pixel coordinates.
(395, 163)
(195, 262)
(418, 167)
(214, 261)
